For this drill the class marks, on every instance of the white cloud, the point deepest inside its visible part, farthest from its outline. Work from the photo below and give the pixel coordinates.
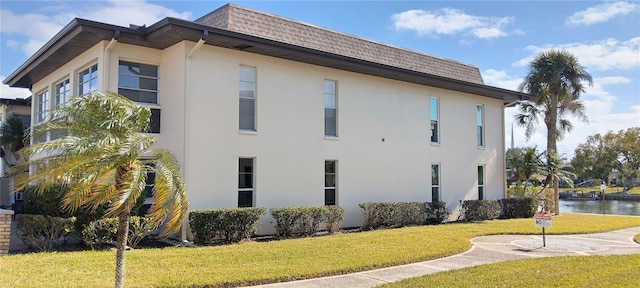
(42, 27)
(501, 79)
(603, 55)
(601, 13)
(12, 93)
(449, 21)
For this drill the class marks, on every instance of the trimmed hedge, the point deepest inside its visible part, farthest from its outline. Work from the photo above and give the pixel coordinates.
(49, 202)
(224, 225)
(40, 232)
(518, 207)
(479, 210)
(305, 221)
(103, 231)
(399, 214)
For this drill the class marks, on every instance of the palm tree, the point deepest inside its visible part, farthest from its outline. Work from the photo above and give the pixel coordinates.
(524, 163)
(556, 168)
(12, 138)
(101, 159)
(555, 80)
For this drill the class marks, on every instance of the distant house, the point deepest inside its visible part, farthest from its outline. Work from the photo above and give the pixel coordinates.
(267, 111)
(20, 108)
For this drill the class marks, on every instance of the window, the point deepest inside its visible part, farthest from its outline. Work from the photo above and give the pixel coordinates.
(151, 181)
(330, 182)
(63, 92)
(330, 115)
(154, 121)
(138, 82)
(435, 118)
(42, 112)
(480, 182)
(88, 80)
(480, 125)
(245, 182)
(435, 182)
(247, 98)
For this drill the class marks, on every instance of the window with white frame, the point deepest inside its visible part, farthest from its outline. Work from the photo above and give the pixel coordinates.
(148, 187)
(88, 80)
(138, 82)
(330, 108)
(480, 125)
(330, 169)
(435, 182)
(42, 109)
(63, 92)
(480, 182)
(245, 182)
(435, 119)
(247, 98)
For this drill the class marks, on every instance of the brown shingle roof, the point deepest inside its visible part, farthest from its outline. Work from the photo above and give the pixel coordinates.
(260, 24)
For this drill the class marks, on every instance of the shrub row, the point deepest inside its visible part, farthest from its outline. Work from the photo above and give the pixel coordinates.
(224, 225)
(479, 210)
(305, 221)
(399, 214)
(104, 231)
(40, 232)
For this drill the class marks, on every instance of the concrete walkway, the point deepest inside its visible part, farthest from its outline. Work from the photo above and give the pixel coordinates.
(486, 250)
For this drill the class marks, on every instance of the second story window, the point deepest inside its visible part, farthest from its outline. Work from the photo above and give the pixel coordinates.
(330, 109)
(247, 95)
(42, 109)
(480, 125)
(88, 80)
(138, 82)
(63, 92)
(435, 120)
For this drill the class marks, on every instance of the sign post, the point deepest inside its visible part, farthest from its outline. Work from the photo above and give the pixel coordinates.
(543, 220)
(602, 188)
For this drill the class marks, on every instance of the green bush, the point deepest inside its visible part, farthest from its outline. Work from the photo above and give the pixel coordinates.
(40, 232)
(518, 207)
(104, 231)
(399, 214)
(226, 225)
(334, 216)
(479, 210)
(436, 212)
(49, 203)
(305, 221)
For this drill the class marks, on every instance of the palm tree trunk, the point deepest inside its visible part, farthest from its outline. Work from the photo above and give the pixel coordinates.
(552, 147)
(121, 243)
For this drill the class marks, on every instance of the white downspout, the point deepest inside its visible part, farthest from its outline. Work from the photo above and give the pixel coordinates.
(187, 122)
(107, 53)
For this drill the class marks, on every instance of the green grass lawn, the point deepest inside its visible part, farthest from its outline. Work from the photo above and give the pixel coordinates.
(567, 271)
(608, 190)
(264, 262)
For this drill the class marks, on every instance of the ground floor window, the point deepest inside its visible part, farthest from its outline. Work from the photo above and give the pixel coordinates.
(480, 182)
(330, 182)
(245, 182)
(435, 182)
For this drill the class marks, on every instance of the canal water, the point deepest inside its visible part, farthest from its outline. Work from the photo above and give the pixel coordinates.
(610, 207)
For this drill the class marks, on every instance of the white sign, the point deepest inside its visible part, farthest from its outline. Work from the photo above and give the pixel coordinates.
(543, 220)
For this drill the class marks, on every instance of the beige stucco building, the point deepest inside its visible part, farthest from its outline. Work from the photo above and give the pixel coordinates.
(266, 111)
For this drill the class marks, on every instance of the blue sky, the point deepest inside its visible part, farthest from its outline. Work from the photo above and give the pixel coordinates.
(499, 37)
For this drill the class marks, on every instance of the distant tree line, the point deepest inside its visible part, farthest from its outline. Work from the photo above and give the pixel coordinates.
(613, 158)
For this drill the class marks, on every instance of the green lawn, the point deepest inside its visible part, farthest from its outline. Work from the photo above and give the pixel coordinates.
(567, 271)
(264, 262)
(608, 190)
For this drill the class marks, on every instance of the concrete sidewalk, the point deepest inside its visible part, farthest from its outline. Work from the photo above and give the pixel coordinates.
(486, 250)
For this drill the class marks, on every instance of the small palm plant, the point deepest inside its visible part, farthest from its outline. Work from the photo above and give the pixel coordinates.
(103, 158)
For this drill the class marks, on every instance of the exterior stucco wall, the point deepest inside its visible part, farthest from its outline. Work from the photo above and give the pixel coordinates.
(290, 148)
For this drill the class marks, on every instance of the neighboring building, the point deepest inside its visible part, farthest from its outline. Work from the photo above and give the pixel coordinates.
(266, 111)
(21, 108)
